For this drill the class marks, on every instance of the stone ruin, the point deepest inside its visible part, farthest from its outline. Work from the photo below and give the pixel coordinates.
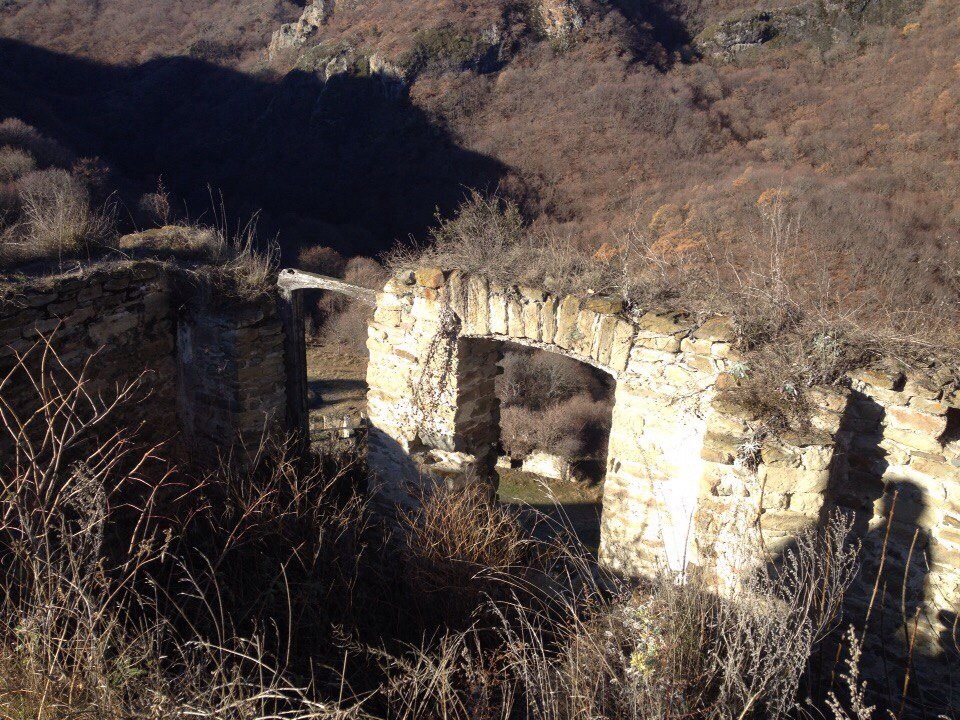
(212, 376)
(690, 472)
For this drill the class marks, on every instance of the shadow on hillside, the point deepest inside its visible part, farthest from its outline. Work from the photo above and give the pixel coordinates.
(333, 162)
(662, 28)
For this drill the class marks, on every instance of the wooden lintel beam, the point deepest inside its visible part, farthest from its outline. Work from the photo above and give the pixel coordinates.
(292, 279)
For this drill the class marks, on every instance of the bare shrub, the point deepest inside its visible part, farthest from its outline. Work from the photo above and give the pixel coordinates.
(552, 404)
(156, 207)
(365, 272)
(342, 321)
(535, 378)
(61, 635)
(489, 236)
(17, 134)
(766, 634)
(15, 163)
(573, 428)
(9, 210)
(57, 217)
(322, 260)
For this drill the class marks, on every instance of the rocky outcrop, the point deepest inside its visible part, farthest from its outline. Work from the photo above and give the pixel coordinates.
(392, 78)
(292, 36)
(751, 30)
(560, 18)
(822, 20)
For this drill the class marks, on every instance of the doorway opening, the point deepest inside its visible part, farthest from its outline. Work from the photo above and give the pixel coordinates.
(554, 424)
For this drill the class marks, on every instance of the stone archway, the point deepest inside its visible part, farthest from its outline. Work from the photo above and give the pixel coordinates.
(434, 346)
(677, 488)
(691, 475)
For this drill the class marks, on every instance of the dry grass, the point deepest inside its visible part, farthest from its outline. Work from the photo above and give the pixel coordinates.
(489, 236)
(458, 541)
(47, 212)
(103, 609)
(134, 589)
(574, 648)
(56, 220)
(221, 264)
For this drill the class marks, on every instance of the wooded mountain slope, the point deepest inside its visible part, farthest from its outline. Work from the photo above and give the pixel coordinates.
(598, 118)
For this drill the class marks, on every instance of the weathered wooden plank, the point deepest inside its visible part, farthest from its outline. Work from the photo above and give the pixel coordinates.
(292, 279)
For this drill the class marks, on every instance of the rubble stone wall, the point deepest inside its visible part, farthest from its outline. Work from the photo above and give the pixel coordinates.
(693, 476)
(117, 320)
(899, 473)
(231, 377)
(210, 377)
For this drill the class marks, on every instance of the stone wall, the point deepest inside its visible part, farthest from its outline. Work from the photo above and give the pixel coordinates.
(899, 472)
(120, 316)
(211, 375)
(694, 476)
(231, 376)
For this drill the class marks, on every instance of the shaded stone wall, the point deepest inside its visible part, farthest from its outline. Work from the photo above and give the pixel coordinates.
(120, 315)
(231, 377)
(899, 472)
(212, 376)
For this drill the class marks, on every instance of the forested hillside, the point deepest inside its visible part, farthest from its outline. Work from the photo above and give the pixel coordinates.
(675, 121)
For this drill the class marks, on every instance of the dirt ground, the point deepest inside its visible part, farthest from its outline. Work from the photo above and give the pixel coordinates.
(561, 505)
(336, 381)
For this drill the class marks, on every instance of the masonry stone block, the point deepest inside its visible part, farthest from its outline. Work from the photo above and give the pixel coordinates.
(456, 289)
(498, 310)
(621, 345)
(478, 305)
(906, 418)
(515, 316)
(548, 319)
(790, 479)
(583, 333)
(430, 277)
(717, 329)
(603, 347)
(531, 321)
(567, 316)
(602, 305)
(699, 347)
(911, 441)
